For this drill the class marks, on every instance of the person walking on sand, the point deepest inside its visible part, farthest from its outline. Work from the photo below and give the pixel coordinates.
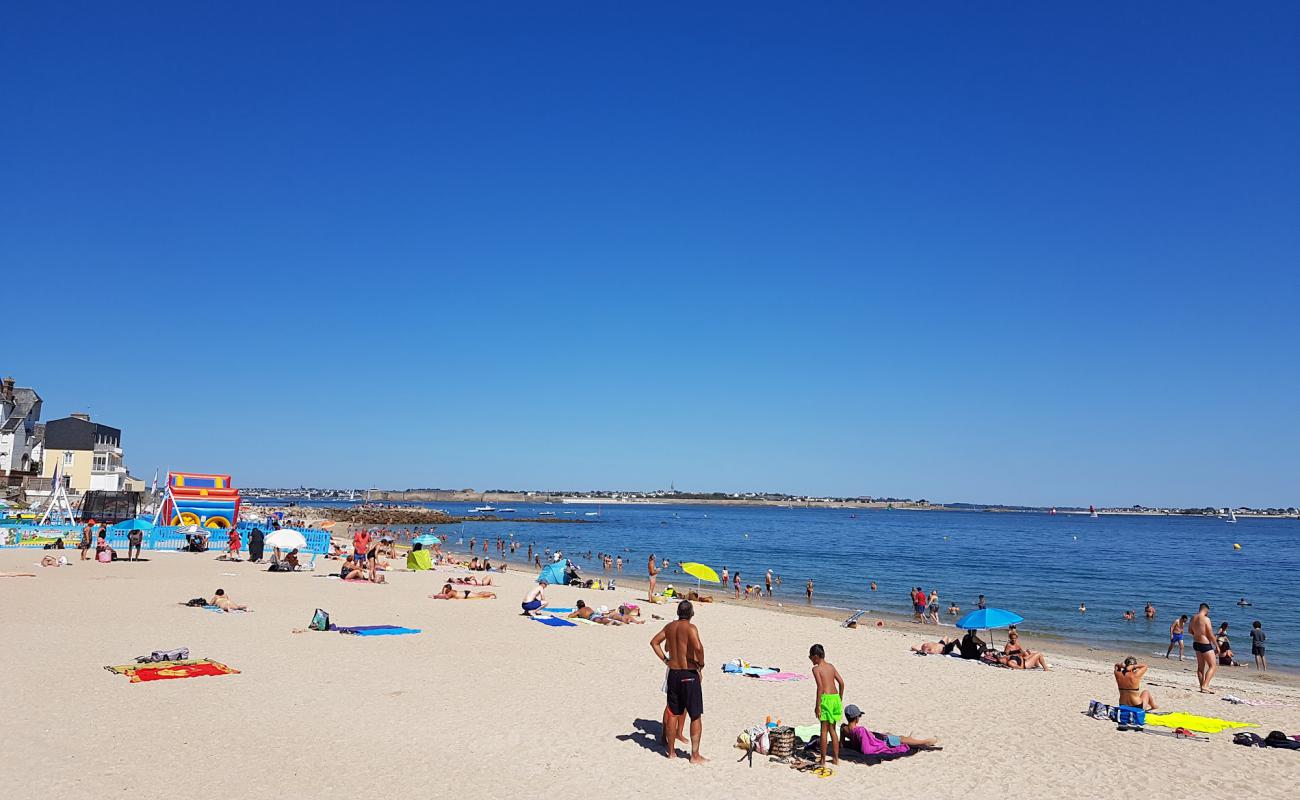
(685, 662)
(1176, 629)
(1206, 647)
(1257, 646)
(829, 704)
(652, 569)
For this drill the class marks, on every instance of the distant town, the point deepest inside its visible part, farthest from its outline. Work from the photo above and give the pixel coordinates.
(674, 495)
(84, 458)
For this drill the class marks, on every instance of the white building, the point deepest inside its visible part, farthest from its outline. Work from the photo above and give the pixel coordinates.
(20, 408)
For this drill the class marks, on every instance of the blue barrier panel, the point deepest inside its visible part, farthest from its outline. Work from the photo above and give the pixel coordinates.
(162, 537)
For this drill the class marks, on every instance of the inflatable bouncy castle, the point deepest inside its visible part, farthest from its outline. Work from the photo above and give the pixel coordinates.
(197, 499)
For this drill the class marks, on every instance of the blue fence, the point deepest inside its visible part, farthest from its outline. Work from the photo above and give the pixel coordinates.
(163, 537)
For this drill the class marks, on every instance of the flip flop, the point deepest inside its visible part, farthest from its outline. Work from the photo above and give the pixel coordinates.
(823, 772)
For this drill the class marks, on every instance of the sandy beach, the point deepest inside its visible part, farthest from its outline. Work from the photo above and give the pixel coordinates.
(484, 703)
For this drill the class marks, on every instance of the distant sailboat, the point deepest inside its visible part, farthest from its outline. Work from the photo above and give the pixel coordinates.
(1092, 511)
(1053, 511)
(1232, 516)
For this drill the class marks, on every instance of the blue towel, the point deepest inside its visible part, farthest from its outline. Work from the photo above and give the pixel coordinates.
(559, 610)
(376, 630)
(555, 622)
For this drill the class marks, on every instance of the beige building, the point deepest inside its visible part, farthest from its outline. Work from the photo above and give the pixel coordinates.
(87, 454)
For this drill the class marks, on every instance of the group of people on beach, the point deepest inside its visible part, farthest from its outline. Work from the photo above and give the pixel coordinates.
(679, 648)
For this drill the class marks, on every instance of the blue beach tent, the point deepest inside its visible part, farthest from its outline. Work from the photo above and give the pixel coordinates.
(553, 574)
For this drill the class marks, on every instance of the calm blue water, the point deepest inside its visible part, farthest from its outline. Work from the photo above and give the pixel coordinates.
(1037, 565)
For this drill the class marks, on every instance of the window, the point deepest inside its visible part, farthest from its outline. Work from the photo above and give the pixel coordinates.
(67, 458)
(101, 464)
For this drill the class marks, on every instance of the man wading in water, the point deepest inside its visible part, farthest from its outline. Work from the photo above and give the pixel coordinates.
(685, 659)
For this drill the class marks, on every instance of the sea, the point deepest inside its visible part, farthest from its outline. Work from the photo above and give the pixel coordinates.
(1039, 565)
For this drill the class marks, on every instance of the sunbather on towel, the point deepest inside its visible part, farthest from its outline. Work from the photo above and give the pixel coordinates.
(624, 616)
(1017, 657)
(936, 648)
(51, 561)
(859, 739)
(220, 600)
(473, 580)
(450, 593)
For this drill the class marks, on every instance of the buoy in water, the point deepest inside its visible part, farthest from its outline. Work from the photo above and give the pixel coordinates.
(1236, 547)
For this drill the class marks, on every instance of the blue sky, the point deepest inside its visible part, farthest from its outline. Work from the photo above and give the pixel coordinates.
(1012, 254)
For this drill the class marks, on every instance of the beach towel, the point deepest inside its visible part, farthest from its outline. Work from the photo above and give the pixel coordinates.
(169, 670)
(220, 610)
(374, 630)
(1194, 723)
(560, 610)
(783, 676)
(554, 622)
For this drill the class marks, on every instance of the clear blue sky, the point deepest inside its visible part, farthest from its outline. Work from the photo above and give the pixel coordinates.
(971, 252)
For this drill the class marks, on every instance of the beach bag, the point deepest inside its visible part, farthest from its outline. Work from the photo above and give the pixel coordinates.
(320, 621)
(1248, 739)
(1280, 739)
(780, 742)
(197, 602)
(1128, 715)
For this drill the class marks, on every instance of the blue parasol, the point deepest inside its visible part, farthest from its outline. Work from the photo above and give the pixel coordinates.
(427, 539)
(989, 618)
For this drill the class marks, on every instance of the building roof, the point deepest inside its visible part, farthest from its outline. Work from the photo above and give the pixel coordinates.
(71, 433)
(25, 400)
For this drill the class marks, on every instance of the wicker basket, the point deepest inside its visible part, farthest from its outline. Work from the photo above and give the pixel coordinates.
(781, 742)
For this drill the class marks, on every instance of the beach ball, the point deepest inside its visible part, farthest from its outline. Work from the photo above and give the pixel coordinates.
(1236, 547)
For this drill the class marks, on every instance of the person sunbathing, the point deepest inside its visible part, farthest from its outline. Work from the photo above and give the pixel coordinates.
(1017, 657)
(220, 600)
(1128, 677)
(473, 580)
(449, 593)
(583, 611)
(936, 648)
(857, 738)
(51, 561)
(624, 616)
(972, 646)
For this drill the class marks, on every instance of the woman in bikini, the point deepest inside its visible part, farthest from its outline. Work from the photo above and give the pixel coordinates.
(1017, 657)
(473, 580)
(449, 593)
(1128, 677)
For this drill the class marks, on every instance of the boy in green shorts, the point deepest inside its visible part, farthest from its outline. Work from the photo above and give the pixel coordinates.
(830, 707)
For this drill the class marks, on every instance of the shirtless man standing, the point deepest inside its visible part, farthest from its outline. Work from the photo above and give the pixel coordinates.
(1176, 630)
(1206, 647)
(685, 660)
(652, 567)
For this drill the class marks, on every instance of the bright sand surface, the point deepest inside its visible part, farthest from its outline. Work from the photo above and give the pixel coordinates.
(487, 704)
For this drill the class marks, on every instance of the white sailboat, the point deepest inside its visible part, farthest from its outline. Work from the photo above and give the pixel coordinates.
(1232, 516)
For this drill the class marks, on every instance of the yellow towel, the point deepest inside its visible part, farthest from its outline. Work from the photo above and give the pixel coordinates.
(1194, 723)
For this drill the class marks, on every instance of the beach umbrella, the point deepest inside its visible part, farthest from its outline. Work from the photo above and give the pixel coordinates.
(989, 618)
(700, 572)
(286, 539)
(426, 540)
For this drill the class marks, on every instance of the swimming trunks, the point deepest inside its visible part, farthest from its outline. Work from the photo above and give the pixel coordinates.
(684, 694)
(532, 605)
(1175, 638)
(1257, 650)
(830, 708)
(1202, 647)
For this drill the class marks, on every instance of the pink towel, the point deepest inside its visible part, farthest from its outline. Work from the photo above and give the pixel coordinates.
(783, 676)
